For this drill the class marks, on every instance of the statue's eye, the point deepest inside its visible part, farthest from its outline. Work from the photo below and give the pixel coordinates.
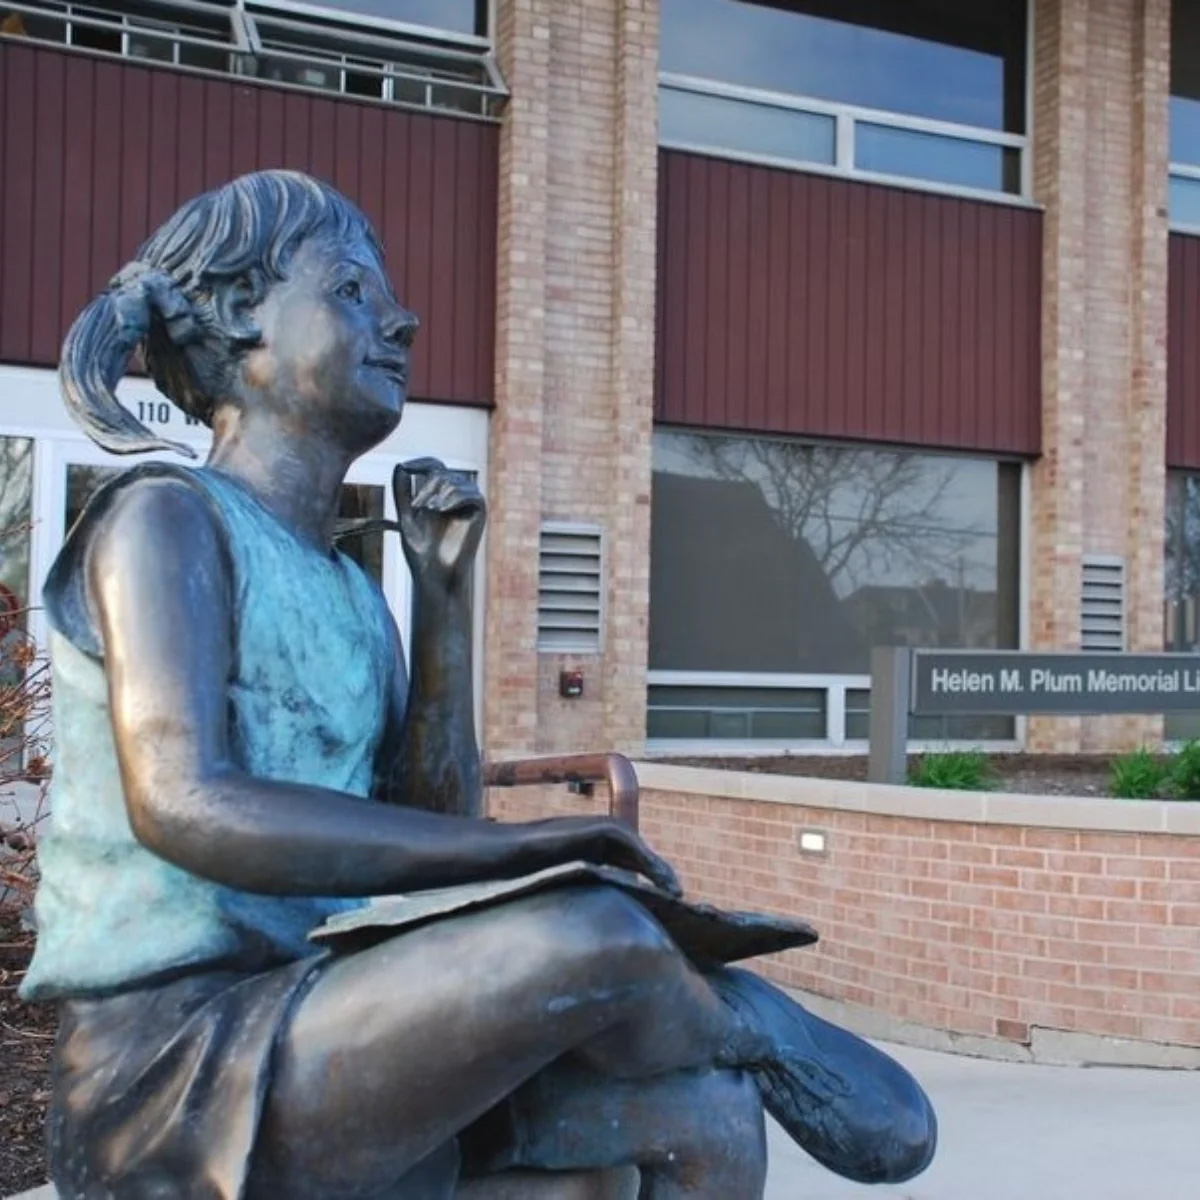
(351, 291)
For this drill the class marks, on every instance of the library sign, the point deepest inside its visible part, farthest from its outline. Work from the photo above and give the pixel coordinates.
(947, 682)
(906, 683)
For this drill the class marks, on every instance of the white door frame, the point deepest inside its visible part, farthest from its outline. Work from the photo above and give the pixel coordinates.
(31, 407)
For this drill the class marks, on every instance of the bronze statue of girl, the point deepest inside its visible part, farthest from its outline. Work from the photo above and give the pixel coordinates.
(240, 754)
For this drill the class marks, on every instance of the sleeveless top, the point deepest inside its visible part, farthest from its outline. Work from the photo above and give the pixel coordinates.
(311, 677)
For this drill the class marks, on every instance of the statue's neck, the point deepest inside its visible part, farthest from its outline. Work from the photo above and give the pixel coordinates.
(294, 475)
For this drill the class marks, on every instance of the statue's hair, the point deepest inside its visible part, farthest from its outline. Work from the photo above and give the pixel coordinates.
(185, 299)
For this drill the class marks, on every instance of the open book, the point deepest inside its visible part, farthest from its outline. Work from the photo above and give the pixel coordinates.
(707, 935)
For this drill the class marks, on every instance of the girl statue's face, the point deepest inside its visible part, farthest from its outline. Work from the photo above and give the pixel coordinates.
(334, 355)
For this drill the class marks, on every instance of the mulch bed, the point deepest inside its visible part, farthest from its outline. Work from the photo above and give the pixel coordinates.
(26, 1038)
(1038, 775)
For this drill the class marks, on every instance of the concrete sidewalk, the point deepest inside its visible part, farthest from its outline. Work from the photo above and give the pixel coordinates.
(1011, 1131)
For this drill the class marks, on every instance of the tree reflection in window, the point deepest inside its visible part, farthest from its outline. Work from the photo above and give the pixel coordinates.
(779, 557)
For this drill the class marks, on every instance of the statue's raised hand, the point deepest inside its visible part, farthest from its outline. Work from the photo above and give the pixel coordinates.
(441, 515)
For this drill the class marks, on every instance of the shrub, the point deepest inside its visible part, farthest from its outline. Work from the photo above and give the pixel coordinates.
(1140, 775)
(959, 770)
(1183, 782)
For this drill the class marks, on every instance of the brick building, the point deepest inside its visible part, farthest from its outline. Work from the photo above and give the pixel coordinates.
(774, 330)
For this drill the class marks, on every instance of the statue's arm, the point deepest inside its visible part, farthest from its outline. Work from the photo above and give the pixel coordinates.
(160, 585)
(430, 756)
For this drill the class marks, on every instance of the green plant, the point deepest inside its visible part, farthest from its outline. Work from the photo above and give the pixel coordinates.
(1140, 775)
(1184, 780)
(958, 770)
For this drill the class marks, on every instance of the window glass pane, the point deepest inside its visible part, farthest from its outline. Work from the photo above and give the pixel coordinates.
(16, 498)
(1185, 131)
(83, 482)
(942, 59)
(737, 713)
(363, 502)
(95, 37)
(1184, 201)
(459, 16)
(770, 555)
(1181, 584)
(691, 119)
(916, 155)
(16, 515)
(22, 24)
(926, 728)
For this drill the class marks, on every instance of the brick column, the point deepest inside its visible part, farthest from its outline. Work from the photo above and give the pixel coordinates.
(510, 675)
(635, 204)
(1100, 126)
(575, 364)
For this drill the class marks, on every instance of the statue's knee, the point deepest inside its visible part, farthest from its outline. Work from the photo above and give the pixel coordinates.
(618, 928)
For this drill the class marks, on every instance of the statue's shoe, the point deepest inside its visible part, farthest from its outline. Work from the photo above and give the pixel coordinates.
(854, 1109)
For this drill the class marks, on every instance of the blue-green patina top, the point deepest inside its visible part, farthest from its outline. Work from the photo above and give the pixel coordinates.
(314, 652)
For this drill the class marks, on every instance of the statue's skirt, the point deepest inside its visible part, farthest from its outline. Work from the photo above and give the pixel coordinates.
(158, 1093)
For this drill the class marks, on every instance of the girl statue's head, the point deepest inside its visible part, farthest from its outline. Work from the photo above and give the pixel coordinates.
(267, 295)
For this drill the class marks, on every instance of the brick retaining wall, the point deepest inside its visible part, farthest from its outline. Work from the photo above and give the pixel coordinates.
(982, 915)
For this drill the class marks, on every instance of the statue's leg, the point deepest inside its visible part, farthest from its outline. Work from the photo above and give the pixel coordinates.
(693, 1133)
(397, 1049)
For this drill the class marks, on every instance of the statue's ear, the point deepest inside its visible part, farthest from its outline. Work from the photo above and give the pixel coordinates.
(234, 302)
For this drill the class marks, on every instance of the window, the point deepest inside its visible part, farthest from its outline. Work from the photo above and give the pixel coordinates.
(776, 566)
(419, 53)
(16, 520)
(1184, 201)
(931, 91)
(1181, 584)
(456, 16)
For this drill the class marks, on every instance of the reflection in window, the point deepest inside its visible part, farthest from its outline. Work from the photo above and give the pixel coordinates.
(696, 119)
(458, 16)
(910, 153)
(940, 60)
(16, 516)
(1184, 200)
(1181, 584)
(772, 556)
(363, 502)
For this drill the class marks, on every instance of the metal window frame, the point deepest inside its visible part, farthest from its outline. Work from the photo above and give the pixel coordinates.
(324, 12)
(848, 115)
(1181, 171)
(846, 118)
(835, 742)
(577, 529)
(246, 42)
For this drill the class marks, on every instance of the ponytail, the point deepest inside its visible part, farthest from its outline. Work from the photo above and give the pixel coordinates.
(140, 301)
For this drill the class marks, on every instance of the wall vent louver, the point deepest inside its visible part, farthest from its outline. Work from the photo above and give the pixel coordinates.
(570, 589)
(1102, 607)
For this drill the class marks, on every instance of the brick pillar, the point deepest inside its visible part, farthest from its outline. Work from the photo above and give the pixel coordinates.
(575, 362)
(1100, 127)
(635, 204)
(510, 675)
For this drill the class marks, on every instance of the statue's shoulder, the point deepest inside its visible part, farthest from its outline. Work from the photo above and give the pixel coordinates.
(65, 595)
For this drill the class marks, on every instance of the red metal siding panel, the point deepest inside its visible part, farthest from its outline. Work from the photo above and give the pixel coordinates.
(846, 310)
(1183, 353)
(94, 154)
